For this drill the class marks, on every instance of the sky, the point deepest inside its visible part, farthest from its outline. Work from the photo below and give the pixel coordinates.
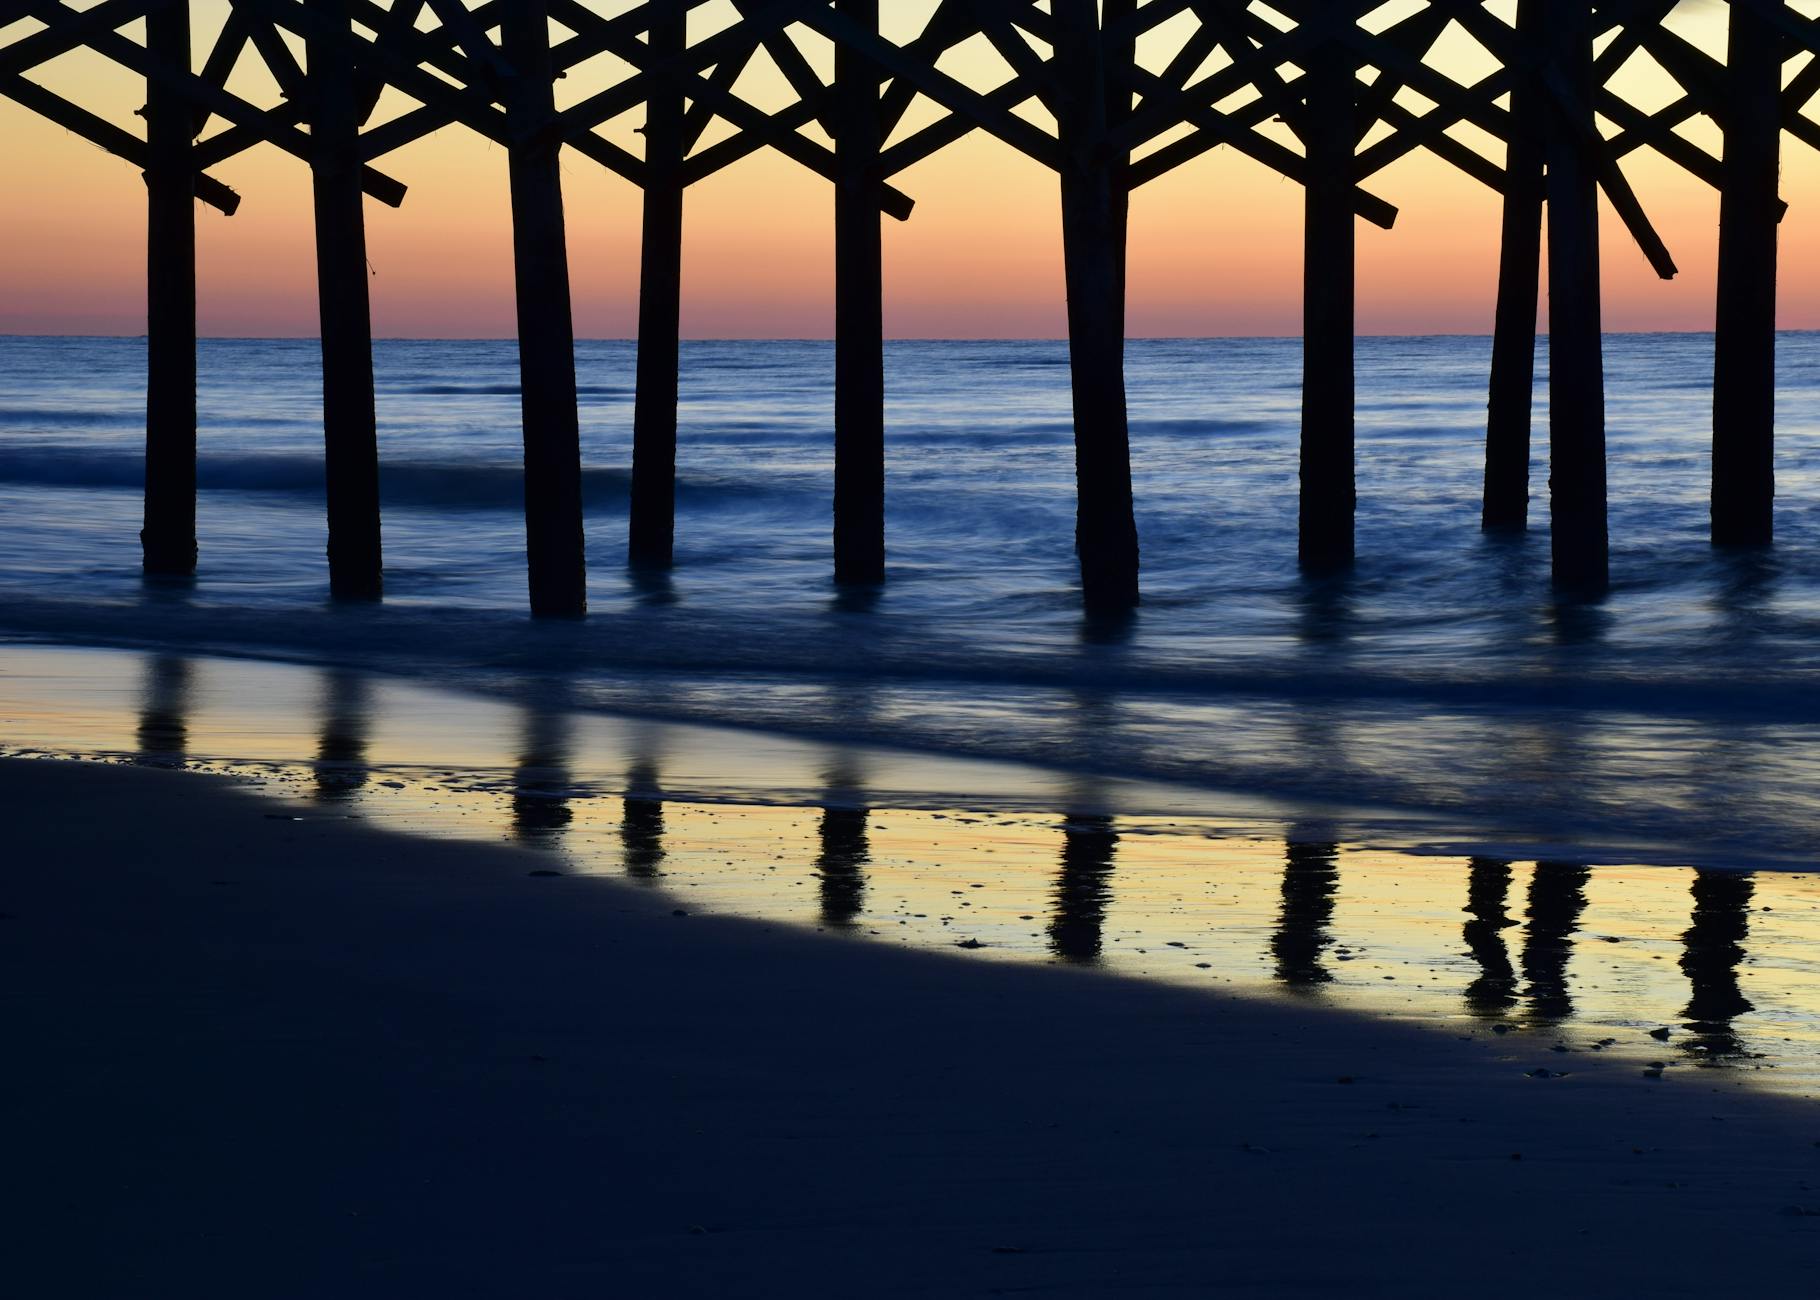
(1216, 245)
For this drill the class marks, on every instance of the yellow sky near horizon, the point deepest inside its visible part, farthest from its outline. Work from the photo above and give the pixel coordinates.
(1216, 246)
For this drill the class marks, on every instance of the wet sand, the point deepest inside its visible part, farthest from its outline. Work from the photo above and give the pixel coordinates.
(250, 1055)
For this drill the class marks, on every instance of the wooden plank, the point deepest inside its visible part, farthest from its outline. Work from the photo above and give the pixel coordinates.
(179, 80)
(105, 135)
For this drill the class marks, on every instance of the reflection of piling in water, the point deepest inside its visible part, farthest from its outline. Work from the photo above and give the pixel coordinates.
(1077, 930)
(1311, 875)
(1494, 992)
(1557, 896)
(641, 826)
(541, 784)
(164, 711)
(841, 866)
(341, 751)
(1713, 949)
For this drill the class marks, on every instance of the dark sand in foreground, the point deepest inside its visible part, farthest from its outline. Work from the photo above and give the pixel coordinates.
(253, 1057)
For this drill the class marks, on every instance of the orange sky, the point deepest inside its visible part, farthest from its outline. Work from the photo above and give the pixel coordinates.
(1216, 246)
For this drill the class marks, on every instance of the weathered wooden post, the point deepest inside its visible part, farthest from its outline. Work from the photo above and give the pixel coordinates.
(653, 526)
(1744, 341)
(1513, 348)
(1576, 361)
(554, 540)
(859, 313)
(168, 540)
(1330, 137)
(350, 433)
(1106, 536)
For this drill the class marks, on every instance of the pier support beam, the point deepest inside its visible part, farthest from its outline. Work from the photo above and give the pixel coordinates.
(653, 525)
(1513, 348)
(350, 433)
(1744, 343)
(1576, 360)
(546, 329)
(1330, 239)
(1093, 230)
(168, 540)
(859, 315)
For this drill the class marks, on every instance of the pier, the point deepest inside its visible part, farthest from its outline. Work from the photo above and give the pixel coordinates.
(1312, 89)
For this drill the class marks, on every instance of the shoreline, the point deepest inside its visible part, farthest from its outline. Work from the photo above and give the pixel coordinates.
(283, 1057)
(1396, 801)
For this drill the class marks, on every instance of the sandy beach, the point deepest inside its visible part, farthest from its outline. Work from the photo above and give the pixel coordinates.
(259, 1051)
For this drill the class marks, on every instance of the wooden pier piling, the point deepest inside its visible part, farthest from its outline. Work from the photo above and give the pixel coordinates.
(1119, 124)
(653, 524)
(1513, 350)
(1330, 136)
(1577, 496)
(349, 425)
(168, 540)
(555, 545)
(1093, 227)
(1744, 344)
(859, 314)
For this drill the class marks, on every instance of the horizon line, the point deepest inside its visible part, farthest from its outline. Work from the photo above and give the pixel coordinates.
(906, 338)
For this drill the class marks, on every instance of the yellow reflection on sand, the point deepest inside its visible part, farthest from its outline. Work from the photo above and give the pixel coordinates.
(1677, 967)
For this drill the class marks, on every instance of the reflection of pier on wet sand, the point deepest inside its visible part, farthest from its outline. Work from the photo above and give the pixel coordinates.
(414, 1032)
(1313, 914)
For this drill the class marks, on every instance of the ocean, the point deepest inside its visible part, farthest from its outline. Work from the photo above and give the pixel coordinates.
(1676, 720)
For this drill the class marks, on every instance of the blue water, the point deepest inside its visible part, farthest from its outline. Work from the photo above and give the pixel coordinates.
(1440, 677)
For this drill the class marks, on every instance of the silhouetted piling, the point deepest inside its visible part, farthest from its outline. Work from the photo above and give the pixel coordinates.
(1084, 890)
(845, 851)
(641, 826)
(859, 314)
(1744, 341)
(1557, 896)
(1712, 952)
(653, 525)
(1093, 230)
(554, 540)
(1330, 137)
(1494, 992)
(341, 750)
(164, 711)
(1513, 348)
(541, 783)
(168, 540)
(1577, 501)
(350, 433)
(1311, 877)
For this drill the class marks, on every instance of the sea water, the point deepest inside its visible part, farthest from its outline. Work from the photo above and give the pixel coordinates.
(1441, 678)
